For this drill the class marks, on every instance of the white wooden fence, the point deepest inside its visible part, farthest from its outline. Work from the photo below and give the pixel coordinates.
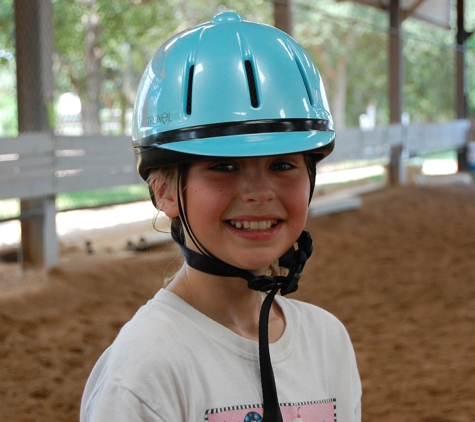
(35, 167)
(355, 144)
(38, 165)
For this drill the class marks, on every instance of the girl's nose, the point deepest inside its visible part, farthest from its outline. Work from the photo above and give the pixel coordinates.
(257, 187)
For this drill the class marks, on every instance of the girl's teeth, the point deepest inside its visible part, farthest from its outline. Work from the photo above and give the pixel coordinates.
(251, 225)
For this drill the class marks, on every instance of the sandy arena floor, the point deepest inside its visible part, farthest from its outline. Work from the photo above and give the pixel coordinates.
(399, 272)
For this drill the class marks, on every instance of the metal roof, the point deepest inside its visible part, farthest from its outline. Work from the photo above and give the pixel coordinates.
(436, 12)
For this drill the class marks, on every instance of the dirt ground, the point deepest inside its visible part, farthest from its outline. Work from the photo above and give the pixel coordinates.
(399, 272)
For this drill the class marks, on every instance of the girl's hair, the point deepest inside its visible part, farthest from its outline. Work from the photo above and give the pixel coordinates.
(166, 179)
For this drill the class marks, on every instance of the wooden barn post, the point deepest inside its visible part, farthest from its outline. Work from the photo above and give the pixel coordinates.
(396, 86)
(283, 15)
(34, 51)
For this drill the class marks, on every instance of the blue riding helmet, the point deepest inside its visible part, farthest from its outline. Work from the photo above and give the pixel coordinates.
(229, 88)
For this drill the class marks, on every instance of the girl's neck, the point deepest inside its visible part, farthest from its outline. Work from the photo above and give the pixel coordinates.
(227, 301)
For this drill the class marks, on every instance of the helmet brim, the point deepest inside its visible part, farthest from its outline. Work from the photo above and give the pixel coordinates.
(255, 145)
(237, 146)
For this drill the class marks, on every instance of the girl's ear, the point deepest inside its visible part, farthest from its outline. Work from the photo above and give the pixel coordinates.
(165, 198)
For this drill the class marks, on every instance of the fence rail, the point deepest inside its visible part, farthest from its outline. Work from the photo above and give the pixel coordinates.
(355, 144)
(35, 167)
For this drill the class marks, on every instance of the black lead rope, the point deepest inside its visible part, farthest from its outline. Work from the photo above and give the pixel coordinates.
(294, 260)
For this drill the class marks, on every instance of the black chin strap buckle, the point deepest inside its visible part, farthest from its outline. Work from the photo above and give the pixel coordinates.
(287, 284)
(264, 283)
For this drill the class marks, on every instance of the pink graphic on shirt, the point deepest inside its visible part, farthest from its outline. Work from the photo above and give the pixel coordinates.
(298, 419)
(321, 411)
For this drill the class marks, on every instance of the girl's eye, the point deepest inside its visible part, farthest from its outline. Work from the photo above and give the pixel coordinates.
(223, 167)
(282, 166)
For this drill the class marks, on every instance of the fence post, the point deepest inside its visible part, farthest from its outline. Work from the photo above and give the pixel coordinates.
(34, 51)
(38, 232)
(462, 161)
(465, 153)
(396, 171)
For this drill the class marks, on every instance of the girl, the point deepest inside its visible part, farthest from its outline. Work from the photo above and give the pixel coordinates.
(230, 120)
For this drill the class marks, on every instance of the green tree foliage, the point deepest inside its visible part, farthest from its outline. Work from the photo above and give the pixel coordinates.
(429, 72)
(6, 25)
(8, 105)
(102, 47)
(471, 76)
(348, 44)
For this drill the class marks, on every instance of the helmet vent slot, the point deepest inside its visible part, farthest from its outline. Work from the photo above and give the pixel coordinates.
(189, 89)
(305, 80)
(252, 84)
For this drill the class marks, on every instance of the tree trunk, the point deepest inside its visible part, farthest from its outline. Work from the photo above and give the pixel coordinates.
(93, 60)
(338, 106)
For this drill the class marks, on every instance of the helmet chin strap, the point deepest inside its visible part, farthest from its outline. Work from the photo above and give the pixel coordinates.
(294, 260)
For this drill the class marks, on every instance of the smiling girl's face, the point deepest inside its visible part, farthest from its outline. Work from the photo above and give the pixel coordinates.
(247, 211)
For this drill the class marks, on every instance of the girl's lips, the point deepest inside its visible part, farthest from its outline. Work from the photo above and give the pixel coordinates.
(255, 234)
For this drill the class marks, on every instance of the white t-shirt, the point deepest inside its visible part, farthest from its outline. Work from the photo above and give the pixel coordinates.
(171, 363)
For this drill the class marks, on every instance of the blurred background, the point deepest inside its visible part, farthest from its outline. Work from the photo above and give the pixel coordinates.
(396, 268)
